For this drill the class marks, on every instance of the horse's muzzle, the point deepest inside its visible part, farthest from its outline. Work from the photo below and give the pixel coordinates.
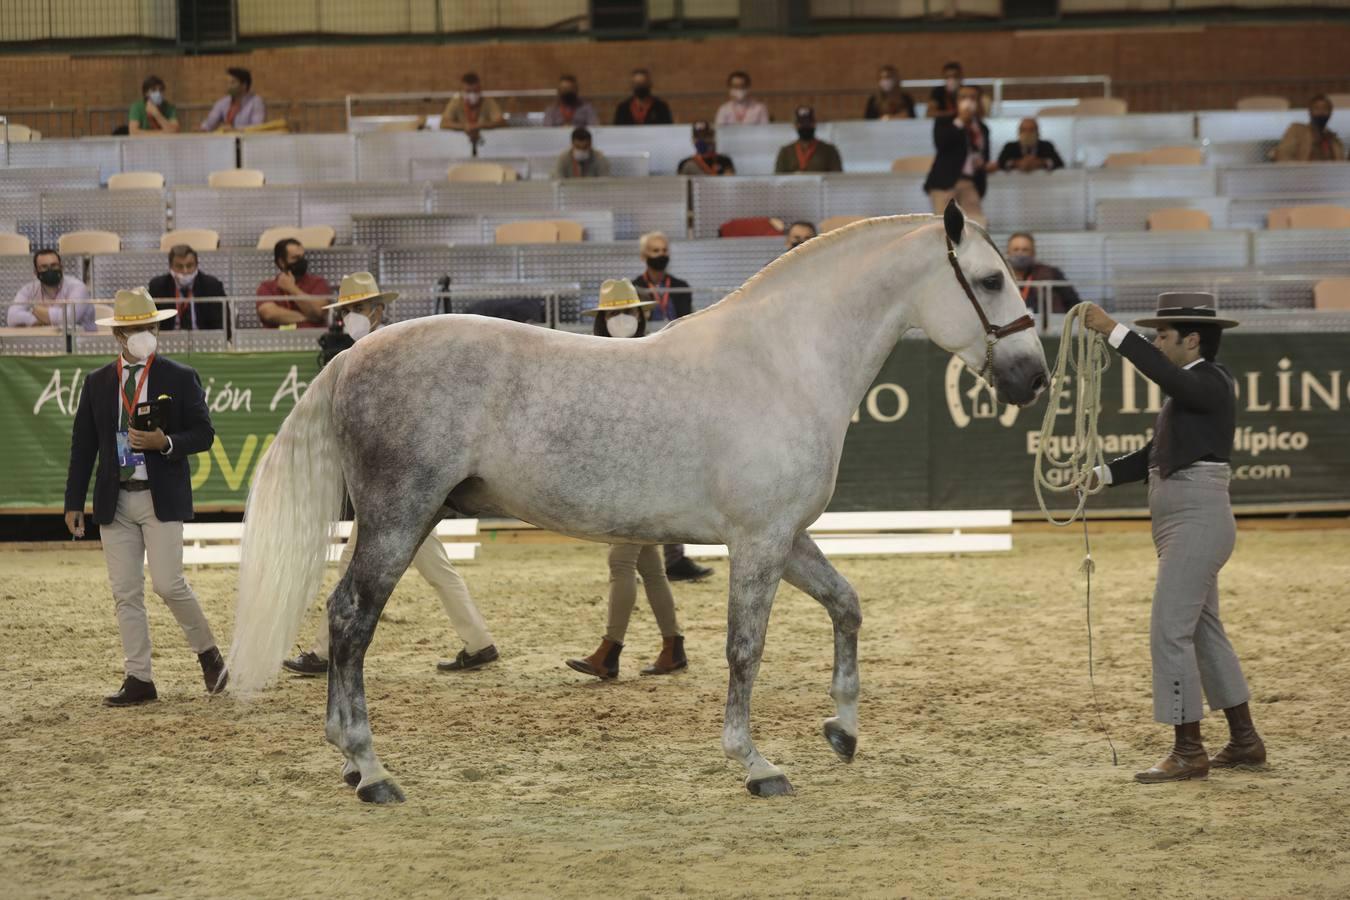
(1022, 381)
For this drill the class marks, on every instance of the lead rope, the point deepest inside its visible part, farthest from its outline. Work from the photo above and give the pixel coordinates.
(1083, 355)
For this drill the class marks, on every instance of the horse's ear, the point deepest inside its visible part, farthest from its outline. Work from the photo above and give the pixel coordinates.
(955, 220)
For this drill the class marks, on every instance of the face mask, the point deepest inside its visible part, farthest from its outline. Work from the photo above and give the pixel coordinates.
(356, 325)
(1027, 139)
(472, 97)
(705, 148)
(953, 84)
(887, 85)
(142, 344)
(1320, 122)
(1021, 262)
(623, 325)
(50, 277)
(155, 97)
(568, 98)
(581, 155)
(658, 263)
(738, 94)
(184, 280)
(300, 267)
(807, 133)
(642, 91)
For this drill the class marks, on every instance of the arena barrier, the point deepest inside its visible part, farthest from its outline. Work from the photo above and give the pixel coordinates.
(217, 543)
(926, 435)
(865, 533)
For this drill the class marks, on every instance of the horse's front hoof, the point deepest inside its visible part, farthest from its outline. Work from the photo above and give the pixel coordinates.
(385, 791)
(843, 743)
(773, 786)
(351, 775)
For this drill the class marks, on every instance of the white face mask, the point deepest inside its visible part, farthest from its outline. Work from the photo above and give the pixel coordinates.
(357, 325)
(472, 97)
(142, 344)
(581, 155)
(156, 97)
(739, 94)
(623, 325)
(184, 279)
(886, 84)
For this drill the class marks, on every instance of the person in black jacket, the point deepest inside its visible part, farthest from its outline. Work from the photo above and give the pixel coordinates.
(1187, 468)
(1029, 153)
(962, 158)
(642, 108)
(143, 486)
(185, 283)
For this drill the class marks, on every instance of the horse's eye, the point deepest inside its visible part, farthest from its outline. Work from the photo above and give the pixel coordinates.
(992, 282)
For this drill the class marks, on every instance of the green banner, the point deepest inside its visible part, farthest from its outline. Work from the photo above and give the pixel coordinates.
(927, 435)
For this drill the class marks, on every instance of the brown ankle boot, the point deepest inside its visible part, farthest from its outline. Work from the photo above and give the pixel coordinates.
(1244, 747)
(671, 659)
(1186, 761)
(603, 663)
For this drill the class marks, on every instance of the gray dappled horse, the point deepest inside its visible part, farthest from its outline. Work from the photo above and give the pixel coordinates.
(477, 416)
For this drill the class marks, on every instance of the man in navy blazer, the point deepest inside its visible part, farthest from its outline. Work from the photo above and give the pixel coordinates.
(143, 487)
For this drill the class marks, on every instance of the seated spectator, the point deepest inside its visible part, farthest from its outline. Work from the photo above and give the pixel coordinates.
(889, 102)
(1022, 260)
(152, 114)
(741, 109)
(672, 295)
(240, 108)
(469, 111)
(582, 160)
(962, 158)
(570, 109)
(706, 160)
(1313, 142)
(642, 108)
(306, 293)
(184, 283)
(799, 232)
(1028, 153)
(942, 99)
(806, 154)
(36, 302)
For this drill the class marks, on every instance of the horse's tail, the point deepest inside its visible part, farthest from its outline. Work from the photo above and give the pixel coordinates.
(293, 505)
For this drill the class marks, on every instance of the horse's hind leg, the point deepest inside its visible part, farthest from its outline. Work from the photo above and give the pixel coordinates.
(382, 554)
(809, 571)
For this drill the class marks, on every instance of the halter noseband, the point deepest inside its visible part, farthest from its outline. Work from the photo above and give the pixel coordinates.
(992, 333)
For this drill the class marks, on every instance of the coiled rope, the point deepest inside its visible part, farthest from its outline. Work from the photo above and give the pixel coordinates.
(1082, 358)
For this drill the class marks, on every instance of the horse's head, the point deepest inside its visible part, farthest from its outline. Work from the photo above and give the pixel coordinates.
(977, 312)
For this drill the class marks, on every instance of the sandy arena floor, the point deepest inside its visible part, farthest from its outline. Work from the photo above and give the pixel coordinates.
(980, 771)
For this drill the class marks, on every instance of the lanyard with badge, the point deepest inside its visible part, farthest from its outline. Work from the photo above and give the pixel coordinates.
(126, 456)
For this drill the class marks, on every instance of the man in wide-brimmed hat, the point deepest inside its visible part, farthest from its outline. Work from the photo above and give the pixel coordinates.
(1187, 468)
(362, 305)
(143, 489)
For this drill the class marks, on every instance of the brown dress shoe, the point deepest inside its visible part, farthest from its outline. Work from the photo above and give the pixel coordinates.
(671, 659)
(1187, 760)
(603, 663)
(1244, 747)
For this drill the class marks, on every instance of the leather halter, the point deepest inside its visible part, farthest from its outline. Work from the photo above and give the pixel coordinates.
(992, 333)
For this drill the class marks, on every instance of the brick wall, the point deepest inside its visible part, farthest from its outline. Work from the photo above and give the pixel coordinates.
(1164, 68)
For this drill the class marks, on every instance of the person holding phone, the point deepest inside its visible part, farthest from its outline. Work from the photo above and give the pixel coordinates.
(143, 486)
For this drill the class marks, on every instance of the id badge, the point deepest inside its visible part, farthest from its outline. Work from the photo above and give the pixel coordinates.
(125, 455)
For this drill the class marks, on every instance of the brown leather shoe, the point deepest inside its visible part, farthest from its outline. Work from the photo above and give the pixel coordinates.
(1187, 760)
(1244, 747)
(671, 659)
(603, 663)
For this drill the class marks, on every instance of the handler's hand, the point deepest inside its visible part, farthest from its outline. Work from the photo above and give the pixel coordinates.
(1098, 320)
(75, 522)
(147, 440)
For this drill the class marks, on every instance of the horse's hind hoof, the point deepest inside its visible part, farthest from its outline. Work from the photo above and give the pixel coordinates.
(773, 786)
(385, 791)
(843, 743)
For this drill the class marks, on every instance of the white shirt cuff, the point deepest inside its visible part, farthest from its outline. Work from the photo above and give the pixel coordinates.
(1103, 473)
(1117, 335)
(169, 449)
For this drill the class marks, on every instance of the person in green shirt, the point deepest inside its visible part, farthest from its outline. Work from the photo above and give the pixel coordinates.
(807, 154)
(152, 113)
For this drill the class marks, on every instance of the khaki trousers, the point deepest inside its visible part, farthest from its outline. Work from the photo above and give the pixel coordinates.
(626, 562)
(432, 563)
(133, 537)
(966, 197)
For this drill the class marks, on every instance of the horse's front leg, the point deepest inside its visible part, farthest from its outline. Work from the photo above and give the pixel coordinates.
(755, 573)
(810, 572)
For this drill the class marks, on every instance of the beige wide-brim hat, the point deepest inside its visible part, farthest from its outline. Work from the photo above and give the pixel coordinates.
(360, 287)
(1192, 307)
(617, 294)
(134, 307)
